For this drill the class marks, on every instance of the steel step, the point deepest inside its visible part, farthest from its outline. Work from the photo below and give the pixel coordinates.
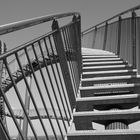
(101, 117)
(104, 135)
(101, 59)
(106, 68)
(92, 90)
(102, 102)
(98, 56)
(110, 79)
(109, 73)
(89, 64)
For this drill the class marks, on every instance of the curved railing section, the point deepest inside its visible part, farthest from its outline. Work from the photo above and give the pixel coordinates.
(119, 34)
(49, 68)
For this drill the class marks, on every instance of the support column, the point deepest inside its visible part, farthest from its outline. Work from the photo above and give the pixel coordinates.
(27, 107)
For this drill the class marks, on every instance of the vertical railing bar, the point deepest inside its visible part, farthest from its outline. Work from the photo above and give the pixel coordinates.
(70, 51)
(42, 97)
(7, 103)
(59, 78)
(28, 88)
(134, 38)
(21, 99)
(72, 69)
(3, 127)
(74, 47)
(30, 64)
(105, 36)
(94, 39)
(78, 27)
(57, 88)
(66, 44)
(119, 35)
(53, 91)
(58, 41)
(72, 61)
(77, 37)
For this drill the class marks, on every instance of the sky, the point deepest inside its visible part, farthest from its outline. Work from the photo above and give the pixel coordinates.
(92, 11)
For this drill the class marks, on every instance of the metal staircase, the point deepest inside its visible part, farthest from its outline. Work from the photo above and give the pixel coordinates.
(69, 81)
(106, 97)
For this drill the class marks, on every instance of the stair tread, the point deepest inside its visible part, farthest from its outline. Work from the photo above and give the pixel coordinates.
(110, 71)
(109, 78)
(108, 62)
(102, 102)
(108, 86)
(102, 116)
(102, 132)
(100, 60)
(99, 56)
(114, 66)
(97, 100)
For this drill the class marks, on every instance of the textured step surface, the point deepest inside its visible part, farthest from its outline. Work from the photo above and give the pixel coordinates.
(110, 79)
(102, 117)
(100, 59)
(108, 73)
(90, 103)
(105, 135)
(108, 88)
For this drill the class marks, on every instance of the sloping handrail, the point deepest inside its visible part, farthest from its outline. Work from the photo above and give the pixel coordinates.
(106, 21)
(60, 80)
(11, 27)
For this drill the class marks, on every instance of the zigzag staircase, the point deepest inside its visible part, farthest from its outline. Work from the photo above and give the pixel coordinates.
(109, 90)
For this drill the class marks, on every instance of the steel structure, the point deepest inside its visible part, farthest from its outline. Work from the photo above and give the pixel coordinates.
(74, 87)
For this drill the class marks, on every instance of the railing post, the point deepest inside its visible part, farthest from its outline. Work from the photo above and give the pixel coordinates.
(134, 38)
(77, 30)
(63, 63)
(119, 35)
(105, 36)
(2, 133)
(94, 39)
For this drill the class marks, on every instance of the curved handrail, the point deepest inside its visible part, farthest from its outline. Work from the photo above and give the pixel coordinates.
(117, 15)
(11, 27)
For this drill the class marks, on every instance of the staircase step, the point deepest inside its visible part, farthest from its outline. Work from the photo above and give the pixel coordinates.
(101, 60)
(102, 102)
(101, 117)
(110, 79)
(98, 56)
(109, 73)
(104, 135)
(106, 68)
(88, 64)
(92, 90)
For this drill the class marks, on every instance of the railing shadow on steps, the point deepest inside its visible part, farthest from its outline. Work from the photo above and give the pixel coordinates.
(119, 34)
(56, 56)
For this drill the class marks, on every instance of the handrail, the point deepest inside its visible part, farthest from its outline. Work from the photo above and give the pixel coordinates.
(117, 35)
(117, 15)
(11, 27)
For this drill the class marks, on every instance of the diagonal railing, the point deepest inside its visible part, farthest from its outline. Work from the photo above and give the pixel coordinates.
(53, 63)
(119, 34)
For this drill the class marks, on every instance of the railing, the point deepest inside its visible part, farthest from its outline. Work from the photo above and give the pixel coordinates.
(119, 34)
(45, 72)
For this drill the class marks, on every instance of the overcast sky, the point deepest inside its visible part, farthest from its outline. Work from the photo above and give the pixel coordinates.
(92, 11)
